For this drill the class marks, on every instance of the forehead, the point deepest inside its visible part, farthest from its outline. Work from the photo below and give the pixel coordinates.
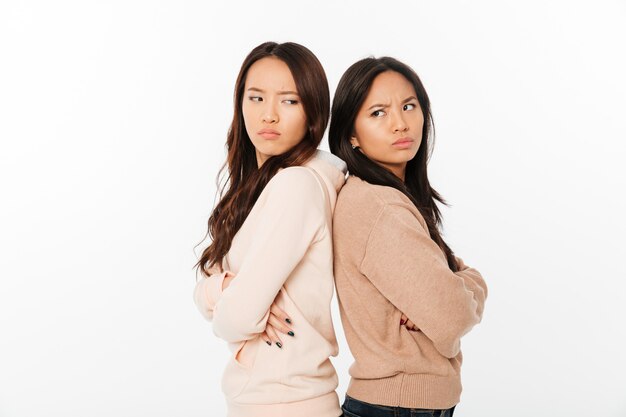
(389, 85)
(270, 74)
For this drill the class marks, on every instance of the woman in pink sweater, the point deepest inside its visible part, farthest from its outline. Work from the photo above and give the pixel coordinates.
(267, 276)
(405, 299)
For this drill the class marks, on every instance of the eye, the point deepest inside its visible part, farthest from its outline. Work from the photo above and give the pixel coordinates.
(409, 106)
(378, 113)
(255, 98)
(290, 101)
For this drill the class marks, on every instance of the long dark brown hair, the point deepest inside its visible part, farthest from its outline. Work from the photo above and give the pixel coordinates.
(351, 92)
(245, 180)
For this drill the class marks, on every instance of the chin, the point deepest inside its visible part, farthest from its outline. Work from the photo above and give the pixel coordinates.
(271, 150)
(403, 160)
(406, 157)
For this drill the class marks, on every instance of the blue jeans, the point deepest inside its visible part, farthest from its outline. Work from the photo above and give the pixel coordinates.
(356, 408)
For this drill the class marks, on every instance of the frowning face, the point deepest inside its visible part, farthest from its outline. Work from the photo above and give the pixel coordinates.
(272, 110)
(388, 126)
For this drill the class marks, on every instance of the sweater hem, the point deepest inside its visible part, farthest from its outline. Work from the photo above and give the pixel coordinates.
(326, 405)
(408, 391)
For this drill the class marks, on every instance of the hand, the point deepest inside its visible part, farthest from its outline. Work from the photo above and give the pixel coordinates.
(277, 322)
(404, 321)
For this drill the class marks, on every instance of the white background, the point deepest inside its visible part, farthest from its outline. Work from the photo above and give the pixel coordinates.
(113, 117)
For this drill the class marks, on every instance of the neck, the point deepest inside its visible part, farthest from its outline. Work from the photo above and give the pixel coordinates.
(399, 170)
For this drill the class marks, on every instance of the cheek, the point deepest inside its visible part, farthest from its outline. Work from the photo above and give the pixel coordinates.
(251, 119)
(246, 113)
(296, 124)
(370, 135)
(418, 125)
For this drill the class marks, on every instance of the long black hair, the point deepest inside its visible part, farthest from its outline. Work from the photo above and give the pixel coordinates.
(351, 92)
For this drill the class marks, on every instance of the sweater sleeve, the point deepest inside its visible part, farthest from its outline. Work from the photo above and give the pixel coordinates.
(411, 271)
(473, 280)
(291, 217)
(208, 290)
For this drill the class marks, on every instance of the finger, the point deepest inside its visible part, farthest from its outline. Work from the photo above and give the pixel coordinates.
(279, 325)
(266, 338)
(409, 324)
(280, 313)
(283, 322)
(273, 336)
(403, 319)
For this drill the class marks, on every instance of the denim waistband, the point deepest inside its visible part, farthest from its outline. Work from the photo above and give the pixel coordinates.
(356, 408)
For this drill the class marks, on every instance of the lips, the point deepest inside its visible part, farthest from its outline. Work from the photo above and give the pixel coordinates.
(268, 133)
(403, 141)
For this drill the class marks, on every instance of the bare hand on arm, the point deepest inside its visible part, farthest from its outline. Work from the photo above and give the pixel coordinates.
(278, 322)
(404, 321)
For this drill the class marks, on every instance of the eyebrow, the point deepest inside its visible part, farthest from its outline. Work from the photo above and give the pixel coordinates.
(406, 100)
(280, 93)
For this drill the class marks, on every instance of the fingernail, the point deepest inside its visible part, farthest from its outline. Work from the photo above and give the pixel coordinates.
(290, 333)
(279, 345)
(268, 343)
(288, 320)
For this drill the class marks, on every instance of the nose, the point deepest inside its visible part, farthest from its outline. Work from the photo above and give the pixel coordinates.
(270, 115)
(399, 125)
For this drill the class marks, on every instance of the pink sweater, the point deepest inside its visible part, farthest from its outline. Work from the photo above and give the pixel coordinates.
(282, 252)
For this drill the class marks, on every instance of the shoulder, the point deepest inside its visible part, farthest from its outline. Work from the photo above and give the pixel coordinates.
(403, 215)
(359, 193)
(294, 179)
(358, 189)
(371, 203)
(294, 186)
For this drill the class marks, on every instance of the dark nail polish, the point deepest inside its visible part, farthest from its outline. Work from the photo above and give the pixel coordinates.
(268, 343)
(290, 333)
(279, 345)
(288, 320)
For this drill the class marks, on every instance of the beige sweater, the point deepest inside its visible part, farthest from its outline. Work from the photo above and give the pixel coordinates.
(282, 253)
(386, 264)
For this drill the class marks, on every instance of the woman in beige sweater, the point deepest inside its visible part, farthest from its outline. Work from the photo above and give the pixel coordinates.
(267, 276)
(405, 299)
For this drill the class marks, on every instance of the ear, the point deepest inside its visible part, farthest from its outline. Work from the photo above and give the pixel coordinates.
(354, 141)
